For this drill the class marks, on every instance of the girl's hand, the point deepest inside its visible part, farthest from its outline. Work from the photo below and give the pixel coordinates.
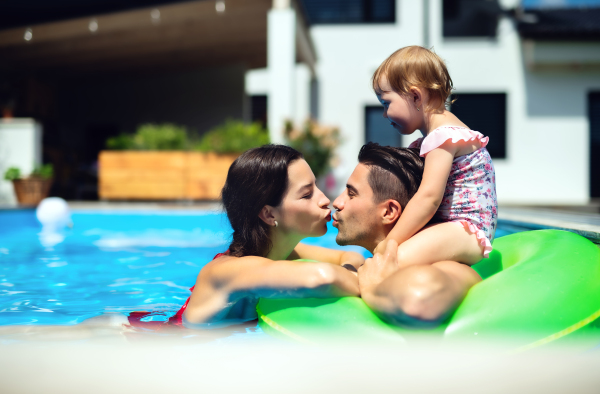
(381, 246)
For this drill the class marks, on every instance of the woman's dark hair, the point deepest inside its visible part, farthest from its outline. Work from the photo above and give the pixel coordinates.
(257, 178)
(394, 173)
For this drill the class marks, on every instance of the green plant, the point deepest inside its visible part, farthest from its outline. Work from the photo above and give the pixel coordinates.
(149, 136)
(316, 142)
(233, 136)
(45, 171)
(12, 173)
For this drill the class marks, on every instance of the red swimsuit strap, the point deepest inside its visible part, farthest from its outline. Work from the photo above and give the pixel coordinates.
(135, 318)
(177, 319)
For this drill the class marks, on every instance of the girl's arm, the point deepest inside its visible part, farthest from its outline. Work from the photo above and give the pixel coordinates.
(421, 208)
(337, 257)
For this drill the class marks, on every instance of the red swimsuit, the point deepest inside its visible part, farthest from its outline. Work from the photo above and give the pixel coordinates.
(135, 318)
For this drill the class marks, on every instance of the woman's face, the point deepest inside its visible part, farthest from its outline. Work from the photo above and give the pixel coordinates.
(304, 210)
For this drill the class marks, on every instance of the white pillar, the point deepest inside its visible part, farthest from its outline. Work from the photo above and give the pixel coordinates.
(281, 61)
(21, 147)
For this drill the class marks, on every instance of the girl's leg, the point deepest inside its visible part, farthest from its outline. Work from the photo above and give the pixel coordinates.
(440, 242)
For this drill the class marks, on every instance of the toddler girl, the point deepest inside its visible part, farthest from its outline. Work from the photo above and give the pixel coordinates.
(453, 215)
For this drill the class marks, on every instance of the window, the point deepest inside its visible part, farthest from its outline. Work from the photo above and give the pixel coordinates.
(349, 11)
(594, 116)
(471, 18)
(378, 129)
(486, 113)
(258, 109)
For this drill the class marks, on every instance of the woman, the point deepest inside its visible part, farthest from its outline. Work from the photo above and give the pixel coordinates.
(272, 203)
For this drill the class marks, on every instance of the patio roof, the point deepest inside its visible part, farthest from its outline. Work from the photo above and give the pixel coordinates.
(181, 35)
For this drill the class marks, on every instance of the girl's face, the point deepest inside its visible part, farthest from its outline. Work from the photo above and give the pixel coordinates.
(400, 110)
(304, 210)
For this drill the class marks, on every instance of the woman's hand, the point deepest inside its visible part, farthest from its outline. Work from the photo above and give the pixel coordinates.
(352, 261)
(376, 269)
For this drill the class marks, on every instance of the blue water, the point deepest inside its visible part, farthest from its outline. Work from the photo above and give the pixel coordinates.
(109, 262)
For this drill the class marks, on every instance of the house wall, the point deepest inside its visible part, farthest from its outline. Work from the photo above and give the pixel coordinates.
(547, 159)
(21, 147)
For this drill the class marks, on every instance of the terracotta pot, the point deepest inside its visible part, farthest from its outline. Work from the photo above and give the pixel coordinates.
(31, 191)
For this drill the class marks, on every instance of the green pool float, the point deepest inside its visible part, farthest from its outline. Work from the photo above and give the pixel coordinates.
(539, 287)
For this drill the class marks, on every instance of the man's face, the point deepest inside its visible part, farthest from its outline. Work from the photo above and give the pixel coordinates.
(356, 212)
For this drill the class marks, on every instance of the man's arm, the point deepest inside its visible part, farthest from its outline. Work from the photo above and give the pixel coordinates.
(417, 295)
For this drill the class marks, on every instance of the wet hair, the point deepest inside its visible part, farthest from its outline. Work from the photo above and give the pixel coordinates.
(415, 66)
(394, 173)
(257, 178)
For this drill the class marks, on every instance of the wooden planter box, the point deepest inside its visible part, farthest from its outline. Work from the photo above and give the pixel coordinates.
(138, 175)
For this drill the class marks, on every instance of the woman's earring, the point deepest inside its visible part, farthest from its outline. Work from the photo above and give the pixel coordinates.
(418, 109)
(276, 224)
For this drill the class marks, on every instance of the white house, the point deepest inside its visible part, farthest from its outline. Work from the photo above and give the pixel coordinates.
(528, 84)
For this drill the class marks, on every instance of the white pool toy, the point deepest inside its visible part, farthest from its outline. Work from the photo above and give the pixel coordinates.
(54, 214)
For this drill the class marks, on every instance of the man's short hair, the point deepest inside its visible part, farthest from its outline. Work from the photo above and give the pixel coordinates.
(394, 173)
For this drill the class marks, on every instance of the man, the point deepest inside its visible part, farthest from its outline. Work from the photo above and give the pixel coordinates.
(381, 185)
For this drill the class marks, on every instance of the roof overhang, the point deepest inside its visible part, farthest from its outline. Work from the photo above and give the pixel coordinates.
(182, 35)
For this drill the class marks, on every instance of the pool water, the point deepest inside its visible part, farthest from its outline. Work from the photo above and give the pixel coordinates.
(110, 261)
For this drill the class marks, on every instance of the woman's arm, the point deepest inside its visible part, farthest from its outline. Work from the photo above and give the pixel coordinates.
(325, 255)
(287, 279)
(421, 208)
(228, 279)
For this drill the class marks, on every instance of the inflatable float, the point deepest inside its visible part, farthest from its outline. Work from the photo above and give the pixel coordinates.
(538, 287)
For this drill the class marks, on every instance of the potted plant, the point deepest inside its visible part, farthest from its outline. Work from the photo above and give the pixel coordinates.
(33, 188)
(166, 162)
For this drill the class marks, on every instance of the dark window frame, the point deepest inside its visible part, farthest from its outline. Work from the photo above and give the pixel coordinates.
(470, 19)
(474, 117)
(379, 108)
(259, 108)
(313, 9)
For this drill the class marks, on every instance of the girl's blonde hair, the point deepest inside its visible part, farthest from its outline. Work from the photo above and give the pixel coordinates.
(415, 66)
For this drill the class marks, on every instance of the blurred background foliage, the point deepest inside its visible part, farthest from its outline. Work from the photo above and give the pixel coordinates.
(316, 142)
(166, 136)
(233, 136)
(45, 171)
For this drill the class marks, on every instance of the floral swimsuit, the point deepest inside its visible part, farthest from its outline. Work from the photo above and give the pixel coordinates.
(470, 195)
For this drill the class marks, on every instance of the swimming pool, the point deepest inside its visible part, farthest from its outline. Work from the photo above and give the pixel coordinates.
(110, 261)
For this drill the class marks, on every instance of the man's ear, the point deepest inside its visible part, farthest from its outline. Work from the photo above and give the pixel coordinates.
(392, 211)
(266, 214)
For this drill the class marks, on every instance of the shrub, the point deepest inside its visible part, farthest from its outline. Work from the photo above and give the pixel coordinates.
(45, 171)
(149, 136)
(12, 173)
(233, 136)
(316, 142)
